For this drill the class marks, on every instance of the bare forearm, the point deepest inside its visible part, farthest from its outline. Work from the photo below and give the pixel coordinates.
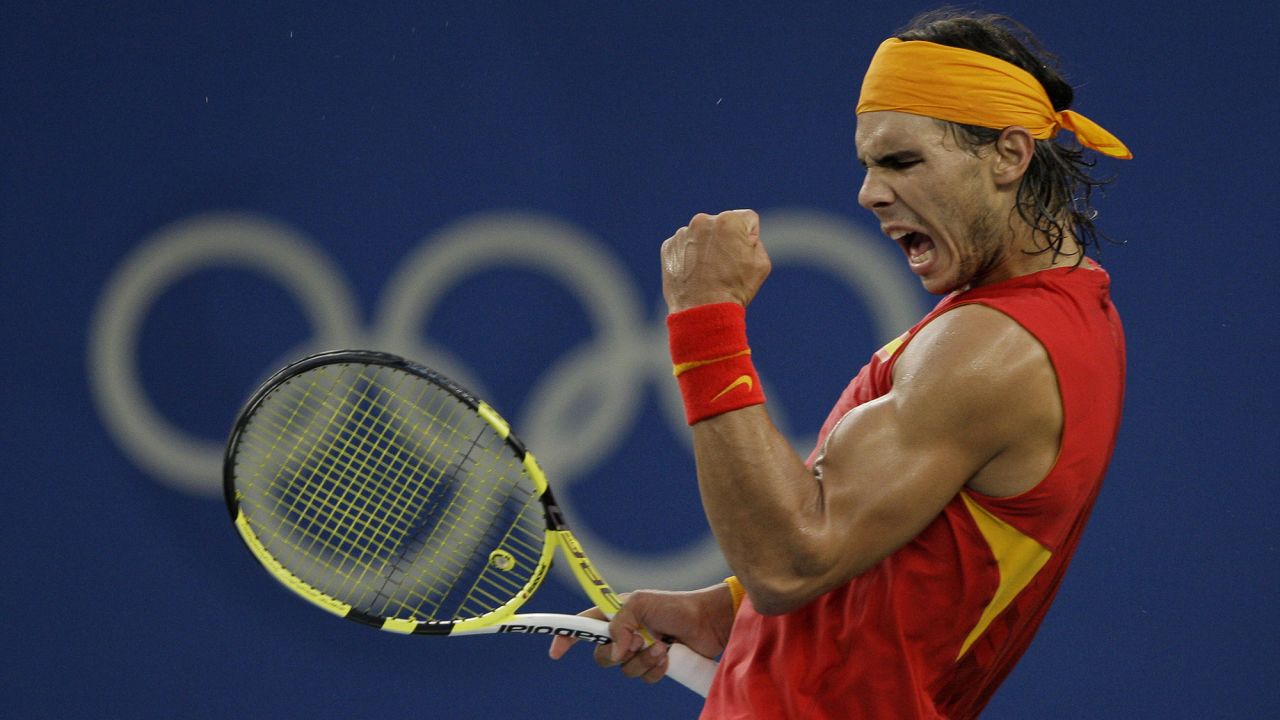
(763, 504)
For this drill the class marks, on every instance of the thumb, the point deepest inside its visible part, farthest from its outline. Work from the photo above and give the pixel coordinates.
(627, 633)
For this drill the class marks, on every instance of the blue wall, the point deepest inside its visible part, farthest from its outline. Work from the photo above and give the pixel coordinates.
(192, 194)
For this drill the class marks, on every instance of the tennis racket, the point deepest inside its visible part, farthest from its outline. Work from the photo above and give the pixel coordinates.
(384, 493)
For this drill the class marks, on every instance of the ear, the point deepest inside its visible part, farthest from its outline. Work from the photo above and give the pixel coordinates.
(1014, 149)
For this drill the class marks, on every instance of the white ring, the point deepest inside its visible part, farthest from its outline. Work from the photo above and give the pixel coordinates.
(235, 240)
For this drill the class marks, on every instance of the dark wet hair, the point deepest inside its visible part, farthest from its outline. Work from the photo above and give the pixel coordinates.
(1055, 194)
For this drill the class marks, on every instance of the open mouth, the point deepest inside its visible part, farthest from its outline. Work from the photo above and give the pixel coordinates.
(919, 247)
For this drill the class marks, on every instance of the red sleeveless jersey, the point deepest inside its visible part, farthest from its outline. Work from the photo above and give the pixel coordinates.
(933, 629)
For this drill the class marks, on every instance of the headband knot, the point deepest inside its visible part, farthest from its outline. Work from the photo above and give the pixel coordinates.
(972, 88)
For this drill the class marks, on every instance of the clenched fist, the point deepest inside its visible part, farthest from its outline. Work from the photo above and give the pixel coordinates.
(713, 259)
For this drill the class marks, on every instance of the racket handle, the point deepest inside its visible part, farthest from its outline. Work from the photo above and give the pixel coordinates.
(690, 669)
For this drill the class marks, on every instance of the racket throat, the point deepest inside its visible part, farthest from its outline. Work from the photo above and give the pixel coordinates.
(592, 583)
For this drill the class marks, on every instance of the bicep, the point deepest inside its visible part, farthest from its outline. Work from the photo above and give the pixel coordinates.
(964, 392)
(885, 478)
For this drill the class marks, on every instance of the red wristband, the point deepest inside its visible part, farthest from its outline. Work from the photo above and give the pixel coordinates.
(712, 360)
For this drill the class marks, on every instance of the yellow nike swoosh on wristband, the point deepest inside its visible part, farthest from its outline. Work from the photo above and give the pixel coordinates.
(681, 368)
(741, 381)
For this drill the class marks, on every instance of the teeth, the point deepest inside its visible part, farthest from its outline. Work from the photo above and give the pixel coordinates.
(897, 235)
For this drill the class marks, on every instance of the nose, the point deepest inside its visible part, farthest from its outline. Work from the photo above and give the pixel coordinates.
(875, 192)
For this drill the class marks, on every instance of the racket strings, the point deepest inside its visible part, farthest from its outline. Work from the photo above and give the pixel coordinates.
(506, 517)
(365, 482)
(363, 496)
(329, 463)
(351, 500)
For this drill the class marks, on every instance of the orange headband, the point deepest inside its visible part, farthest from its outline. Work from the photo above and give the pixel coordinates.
(972, 88)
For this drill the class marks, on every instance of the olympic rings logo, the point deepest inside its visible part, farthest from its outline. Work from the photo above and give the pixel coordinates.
(572, 437)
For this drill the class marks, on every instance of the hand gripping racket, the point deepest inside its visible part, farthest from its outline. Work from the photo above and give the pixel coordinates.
(384, 493)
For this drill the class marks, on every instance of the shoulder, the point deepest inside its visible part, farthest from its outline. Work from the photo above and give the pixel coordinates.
(975, 363)
(970, 339)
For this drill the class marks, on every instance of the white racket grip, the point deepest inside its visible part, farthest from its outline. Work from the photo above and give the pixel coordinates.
(690, 669)
(685, 666)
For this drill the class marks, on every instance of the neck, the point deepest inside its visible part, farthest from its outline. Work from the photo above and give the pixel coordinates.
(1040, 256)
(1027, 251)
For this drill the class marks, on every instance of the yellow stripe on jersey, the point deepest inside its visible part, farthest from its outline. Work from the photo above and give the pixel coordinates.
(891, 347)
(1018, 557)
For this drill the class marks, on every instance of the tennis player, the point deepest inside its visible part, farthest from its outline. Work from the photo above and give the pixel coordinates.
(904, 567)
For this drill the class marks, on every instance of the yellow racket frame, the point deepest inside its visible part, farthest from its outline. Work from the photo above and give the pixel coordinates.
(556, 535)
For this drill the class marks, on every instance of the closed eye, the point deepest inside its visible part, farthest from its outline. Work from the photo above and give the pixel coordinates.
(893, 161)
(898, 161)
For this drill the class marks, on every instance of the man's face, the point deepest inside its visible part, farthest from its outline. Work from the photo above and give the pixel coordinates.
(937, 200)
